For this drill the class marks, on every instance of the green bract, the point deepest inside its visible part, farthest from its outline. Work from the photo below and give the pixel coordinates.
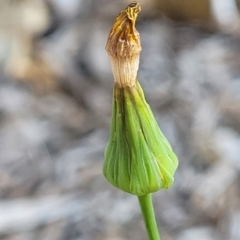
(138, 158)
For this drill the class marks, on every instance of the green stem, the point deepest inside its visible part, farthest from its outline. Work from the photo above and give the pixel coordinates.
(149, 216)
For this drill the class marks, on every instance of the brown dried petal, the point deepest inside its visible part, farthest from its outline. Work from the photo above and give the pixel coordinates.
(123, 46)
(123, 39)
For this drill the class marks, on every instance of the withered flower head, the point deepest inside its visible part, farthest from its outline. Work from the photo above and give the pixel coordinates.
(138, 158)
(123, 46)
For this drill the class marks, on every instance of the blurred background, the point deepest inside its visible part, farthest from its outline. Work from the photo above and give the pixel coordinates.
(55, 109)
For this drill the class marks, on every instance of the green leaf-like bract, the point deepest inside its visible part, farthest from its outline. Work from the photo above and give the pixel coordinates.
(138, 158)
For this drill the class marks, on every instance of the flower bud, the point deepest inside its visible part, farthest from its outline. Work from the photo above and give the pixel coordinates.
(138, 157)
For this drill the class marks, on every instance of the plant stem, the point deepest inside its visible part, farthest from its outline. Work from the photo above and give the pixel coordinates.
(149, 216)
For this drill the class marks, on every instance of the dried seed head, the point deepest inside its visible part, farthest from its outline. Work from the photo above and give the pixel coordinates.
(123, 46)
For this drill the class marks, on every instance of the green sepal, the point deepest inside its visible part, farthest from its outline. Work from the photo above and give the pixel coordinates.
(138, 158)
